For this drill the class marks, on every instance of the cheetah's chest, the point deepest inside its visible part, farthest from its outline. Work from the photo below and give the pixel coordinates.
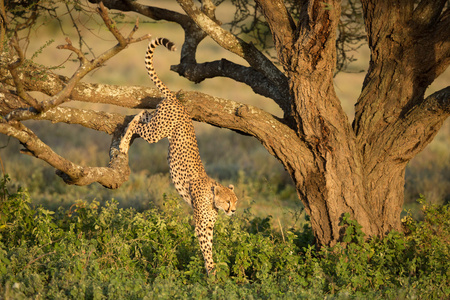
(185, 164)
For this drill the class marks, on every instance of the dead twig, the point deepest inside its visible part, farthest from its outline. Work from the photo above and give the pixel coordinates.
(36, 259)
(81, 57)
(12, 67)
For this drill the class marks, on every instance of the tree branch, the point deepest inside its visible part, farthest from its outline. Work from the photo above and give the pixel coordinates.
(126, 96)
(202, 107)
(49, 83)
(225, 68)
(152, 12)
(12, 67)
(230, 42)
(438, 102)
(111, 177)
(280, 22)
(428, 11)
(85, 67)
(193, 34)
(96, 120)
(273, 134)
(188, 67)
(420, 125)
(439, 37)
(9, 101)
(436, 106)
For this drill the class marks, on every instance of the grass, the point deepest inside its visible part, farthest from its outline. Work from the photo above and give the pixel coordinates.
(95, 251)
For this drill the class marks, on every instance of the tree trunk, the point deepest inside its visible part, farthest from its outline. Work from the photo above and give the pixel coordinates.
(358, 170)
(332, 182)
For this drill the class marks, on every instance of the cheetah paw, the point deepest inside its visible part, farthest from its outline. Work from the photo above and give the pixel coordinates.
(126, 138)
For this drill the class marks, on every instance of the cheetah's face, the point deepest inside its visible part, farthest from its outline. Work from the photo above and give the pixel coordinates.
(225, 199)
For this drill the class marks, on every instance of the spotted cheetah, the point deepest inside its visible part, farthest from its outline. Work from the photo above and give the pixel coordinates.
(171, 120)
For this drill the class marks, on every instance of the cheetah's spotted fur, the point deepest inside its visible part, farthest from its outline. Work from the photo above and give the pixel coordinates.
(171, 120)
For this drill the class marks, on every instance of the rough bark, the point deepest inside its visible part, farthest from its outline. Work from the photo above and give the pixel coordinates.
(407, 54)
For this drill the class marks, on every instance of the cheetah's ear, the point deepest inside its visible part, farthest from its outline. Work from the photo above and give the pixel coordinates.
(216, 191)
(231, 187)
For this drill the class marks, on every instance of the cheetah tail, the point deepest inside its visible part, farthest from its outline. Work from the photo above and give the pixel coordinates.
(149, 63)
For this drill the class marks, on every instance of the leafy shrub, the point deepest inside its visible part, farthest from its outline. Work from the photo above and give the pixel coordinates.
(95, 251)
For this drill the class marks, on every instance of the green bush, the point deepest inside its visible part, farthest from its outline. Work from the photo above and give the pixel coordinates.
(94, 251)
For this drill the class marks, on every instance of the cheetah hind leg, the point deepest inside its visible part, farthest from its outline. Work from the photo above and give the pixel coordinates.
(130, 130)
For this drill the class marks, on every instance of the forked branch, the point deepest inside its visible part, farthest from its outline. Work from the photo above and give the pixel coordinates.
(110, 177)
(86, 66)
(118, 170)
(262, 75)
(12, 67)
(231, 43)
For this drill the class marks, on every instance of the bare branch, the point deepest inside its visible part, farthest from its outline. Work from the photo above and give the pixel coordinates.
(280, 21)
(135, 28)
(77, 51)
(209, 9)
(112, 27)
(234, 44)
(18, 84)
(85, 68)
(440, 37)
(420, 125)
(422, 53)
(438, 102)
(96, 120)
(44, 81)
(9, 101)
(275, 83)
(152, 12)
(194, 35)
(250, 120)
(111, 177)
(225, 68)
(202, 107)
(428, 11)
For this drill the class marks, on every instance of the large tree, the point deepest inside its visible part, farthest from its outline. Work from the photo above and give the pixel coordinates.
(337, 167)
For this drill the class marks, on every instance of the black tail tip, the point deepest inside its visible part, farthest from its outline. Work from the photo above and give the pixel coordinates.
(166, 43)
(170, 46)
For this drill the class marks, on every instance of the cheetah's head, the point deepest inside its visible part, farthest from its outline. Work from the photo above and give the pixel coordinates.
(225, 199)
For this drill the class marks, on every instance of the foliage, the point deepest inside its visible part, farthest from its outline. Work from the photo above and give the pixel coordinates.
(97, 251)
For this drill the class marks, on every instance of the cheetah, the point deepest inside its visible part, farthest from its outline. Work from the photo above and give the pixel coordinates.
(171, 120)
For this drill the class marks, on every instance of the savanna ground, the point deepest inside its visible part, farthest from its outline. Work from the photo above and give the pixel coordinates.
(61, 241)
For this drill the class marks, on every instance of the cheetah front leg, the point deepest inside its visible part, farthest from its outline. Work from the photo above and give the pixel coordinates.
(132, 128)
(204, 225)
(129, 131)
